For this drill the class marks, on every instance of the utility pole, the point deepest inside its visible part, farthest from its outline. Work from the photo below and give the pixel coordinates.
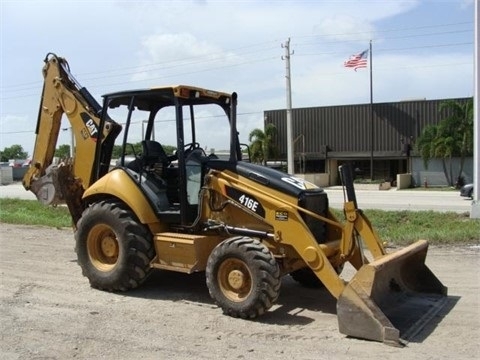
(475, 213)
(286, 57)
(372, 128)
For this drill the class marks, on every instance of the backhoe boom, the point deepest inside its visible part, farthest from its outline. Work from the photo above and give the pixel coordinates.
(62, 94)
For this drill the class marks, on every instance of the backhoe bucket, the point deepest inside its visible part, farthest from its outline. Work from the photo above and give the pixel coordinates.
(391, 298)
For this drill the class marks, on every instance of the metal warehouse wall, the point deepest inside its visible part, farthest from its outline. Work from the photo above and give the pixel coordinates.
(346, 129)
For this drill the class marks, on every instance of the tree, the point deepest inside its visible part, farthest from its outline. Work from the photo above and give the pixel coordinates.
(262, 146)
(452, 136)
(13, 152)
(130, 149)
(136, 149)
(63, 151)
(169, 149)
(459, 123)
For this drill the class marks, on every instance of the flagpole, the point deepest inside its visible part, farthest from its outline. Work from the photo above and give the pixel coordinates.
(371, 115)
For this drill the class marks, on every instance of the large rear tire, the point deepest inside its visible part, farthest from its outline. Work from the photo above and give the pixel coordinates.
(243, 277)
(113, 248)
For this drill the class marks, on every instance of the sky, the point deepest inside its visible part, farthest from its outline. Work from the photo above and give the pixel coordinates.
(421, 49)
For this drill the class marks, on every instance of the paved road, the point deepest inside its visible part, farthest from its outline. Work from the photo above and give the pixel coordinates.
(415, 200)
(367, 199)
(16, 190)
(50, 312)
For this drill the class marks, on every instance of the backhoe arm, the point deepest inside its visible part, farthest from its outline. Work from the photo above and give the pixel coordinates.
(63, 95)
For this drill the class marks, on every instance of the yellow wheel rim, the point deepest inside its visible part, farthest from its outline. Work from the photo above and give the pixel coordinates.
(103, 249)
(235, 279)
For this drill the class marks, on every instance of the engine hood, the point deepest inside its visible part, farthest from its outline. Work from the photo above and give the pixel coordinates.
(275, 179)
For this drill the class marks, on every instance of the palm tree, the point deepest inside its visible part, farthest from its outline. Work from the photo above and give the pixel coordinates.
(453, 136)
(262, 145)
(460, 123)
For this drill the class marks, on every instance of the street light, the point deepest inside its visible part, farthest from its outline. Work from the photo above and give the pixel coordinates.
(143, 130)
(301, 158)
(72, 139)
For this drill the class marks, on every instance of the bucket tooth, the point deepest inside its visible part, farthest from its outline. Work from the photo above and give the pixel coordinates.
(389, 296)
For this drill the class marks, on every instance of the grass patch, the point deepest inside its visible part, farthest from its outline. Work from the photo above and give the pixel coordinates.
(394, 227)
(405, 227)
(368, 181)
(32, 212)
(439, 228)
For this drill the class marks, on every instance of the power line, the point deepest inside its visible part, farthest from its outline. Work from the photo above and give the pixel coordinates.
(387, 30)
(425, 46)
(163, 65)
(36, 93)
(17, 132)
(387, 38)
(139, 121)
(256, 48)
(393, 49)
(156, 78)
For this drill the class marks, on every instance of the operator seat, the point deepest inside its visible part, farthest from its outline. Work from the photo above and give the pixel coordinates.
(153, 153)
(151, 157)
(153, 162)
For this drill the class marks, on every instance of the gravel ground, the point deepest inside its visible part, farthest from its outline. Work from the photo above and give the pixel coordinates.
(48, 311)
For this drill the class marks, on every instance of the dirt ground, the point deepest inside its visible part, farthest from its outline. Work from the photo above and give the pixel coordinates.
(48, 311)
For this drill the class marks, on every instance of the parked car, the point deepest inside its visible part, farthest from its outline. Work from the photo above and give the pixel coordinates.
(467, 190)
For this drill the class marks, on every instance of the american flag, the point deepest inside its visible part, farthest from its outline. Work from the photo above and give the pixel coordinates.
(357, 61)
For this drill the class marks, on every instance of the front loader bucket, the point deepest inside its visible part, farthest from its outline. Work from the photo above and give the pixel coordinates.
(392, 297)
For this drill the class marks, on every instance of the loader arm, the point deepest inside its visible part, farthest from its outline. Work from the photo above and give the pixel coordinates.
(390, 295)
(66, 182)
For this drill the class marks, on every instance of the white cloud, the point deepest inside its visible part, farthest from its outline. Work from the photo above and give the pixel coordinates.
(173, 55)
(431, 76)
(395, 78)
(341, 27)
(232, 46)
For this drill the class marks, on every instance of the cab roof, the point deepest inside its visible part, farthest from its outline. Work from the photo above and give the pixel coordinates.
(168, 95)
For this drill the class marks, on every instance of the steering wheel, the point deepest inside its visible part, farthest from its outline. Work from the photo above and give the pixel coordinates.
(191, 146)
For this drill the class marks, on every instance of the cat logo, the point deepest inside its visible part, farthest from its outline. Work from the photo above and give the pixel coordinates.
(91, 127)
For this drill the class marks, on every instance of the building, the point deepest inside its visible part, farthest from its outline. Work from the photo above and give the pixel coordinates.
(325, 137)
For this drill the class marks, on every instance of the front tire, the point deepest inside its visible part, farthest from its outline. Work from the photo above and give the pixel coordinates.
(113, 248)
(243, 277)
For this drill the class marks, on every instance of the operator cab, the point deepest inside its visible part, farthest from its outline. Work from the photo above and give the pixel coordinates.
(167, 157)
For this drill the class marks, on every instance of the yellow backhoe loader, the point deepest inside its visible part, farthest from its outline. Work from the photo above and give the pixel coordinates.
(243, 224)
